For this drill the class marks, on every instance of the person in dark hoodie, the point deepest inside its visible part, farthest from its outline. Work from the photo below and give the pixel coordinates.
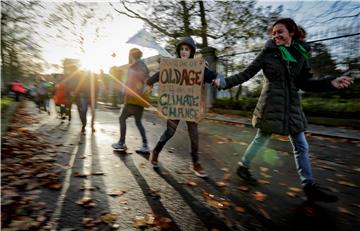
(135, 102)
(285, 64)
(185, 49)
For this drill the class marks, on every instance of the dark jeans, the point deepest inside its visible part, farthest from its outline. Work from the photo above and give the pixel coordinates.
(171, 126)
(83, 103)
(136, 111)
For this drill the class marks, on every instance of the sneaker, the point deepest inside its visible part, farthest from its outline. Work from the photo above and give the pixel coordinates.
(143, 149)
(244, 173)
(314, 193)
(119, 146)
(154, 159)
(198, 170)
(83, 129)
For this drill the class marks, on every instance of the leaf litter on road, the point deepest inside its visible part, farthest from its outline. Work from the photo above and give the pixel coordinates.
(216, 202)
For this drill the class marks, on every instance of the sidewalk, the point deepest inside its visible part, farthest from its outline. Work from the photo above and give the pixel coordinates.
(335, 132)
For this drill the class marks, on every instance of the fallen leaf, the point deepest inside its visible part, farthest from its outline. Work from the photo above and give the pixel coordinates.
(143, 165)
(56, 186)
(345, 210)
(347, 183)
(139, 222)
(109, 218)
(226, 177)
(265, 175)
(118, 193)
(220, 184)
(123, 202)
(243, 188)
(261, 181)
(191, 183)
(259, 196)
(239, 209)
(295, 189)
(88, 222)
(291, 194)
(215, 202)
(163, 222)
(264, 169)
(225, 169)
(86, 202)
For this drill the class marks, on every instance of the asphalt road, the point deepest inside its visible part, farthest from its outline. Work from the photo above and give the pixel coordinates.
(98, 181)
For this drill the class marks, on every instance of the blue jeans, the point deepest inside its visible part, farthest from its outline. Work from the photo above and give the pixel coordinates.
(300, 149)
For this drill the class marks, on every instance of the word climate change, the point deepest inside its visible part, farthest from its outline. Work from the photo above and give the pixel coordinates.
(181, 106)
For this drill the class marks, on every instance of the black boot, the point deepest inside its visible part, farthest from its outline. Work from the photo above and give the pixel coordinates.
(314, 193)
(245, 174)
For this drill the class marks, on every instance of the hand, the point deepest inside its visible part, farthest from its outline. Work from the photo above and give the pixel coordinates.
(216, 82)
(342, 82)
(219, 82)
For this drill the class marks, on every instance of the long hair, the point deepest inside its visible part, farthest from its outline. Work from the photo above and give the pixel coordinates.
(290, 26)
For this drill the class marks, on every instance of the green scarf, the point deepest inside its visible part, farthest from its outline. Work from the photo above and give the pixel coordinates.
(286, 55)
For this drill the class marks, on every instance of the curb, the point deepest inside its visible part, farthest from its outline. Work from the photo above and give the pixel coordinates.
(308, 131)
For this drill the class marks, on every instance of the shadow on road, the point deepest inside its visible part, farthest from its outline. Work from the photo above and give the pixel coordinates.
(153, 200)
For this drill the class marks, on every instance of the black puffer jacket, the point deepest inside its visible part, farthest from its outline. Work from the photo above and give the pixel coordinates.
(279, 108)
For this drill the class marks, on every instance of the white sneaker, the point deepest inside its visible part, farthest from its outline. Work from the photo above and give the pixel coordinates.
(198, 170)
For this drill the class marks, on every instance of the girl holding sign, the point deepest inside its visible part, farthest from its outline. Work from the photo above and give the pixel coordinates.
(185, 49)
(285, 64)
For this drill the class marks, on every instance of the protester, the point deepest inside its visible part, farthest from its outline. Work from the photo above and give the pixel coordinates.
(42, 95)
(135, 99)
(85, 94)
(18, 89)
(62, 98)
(285, 64)
(185, 49)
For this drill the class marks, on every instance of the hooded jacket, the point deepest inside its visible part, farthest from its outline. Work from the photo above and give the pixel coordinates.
(186, 41)
(208, 74)
(279, 109)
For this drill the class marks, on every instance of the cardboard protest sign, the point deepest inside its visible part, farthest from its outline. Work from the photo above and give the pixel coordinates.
(181, 89)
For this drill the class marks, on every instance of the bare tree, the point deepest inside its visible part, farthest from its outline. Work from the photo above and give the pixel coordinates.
(226, 25)
(20, 51)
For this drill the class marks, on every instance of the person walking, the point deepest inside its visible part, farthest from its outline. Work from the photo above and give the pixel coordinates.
(285, 64)
(135, 100)
(185, 49)
(85, 93)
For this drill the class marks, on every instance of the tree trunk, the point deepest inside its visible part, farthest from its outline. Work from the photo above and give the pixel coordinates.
(203, 24)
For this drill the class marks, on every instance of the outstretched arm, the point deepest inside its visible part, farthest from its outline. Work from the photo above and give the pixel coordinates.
(342, 82)
(153, 79)
(241, 77)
